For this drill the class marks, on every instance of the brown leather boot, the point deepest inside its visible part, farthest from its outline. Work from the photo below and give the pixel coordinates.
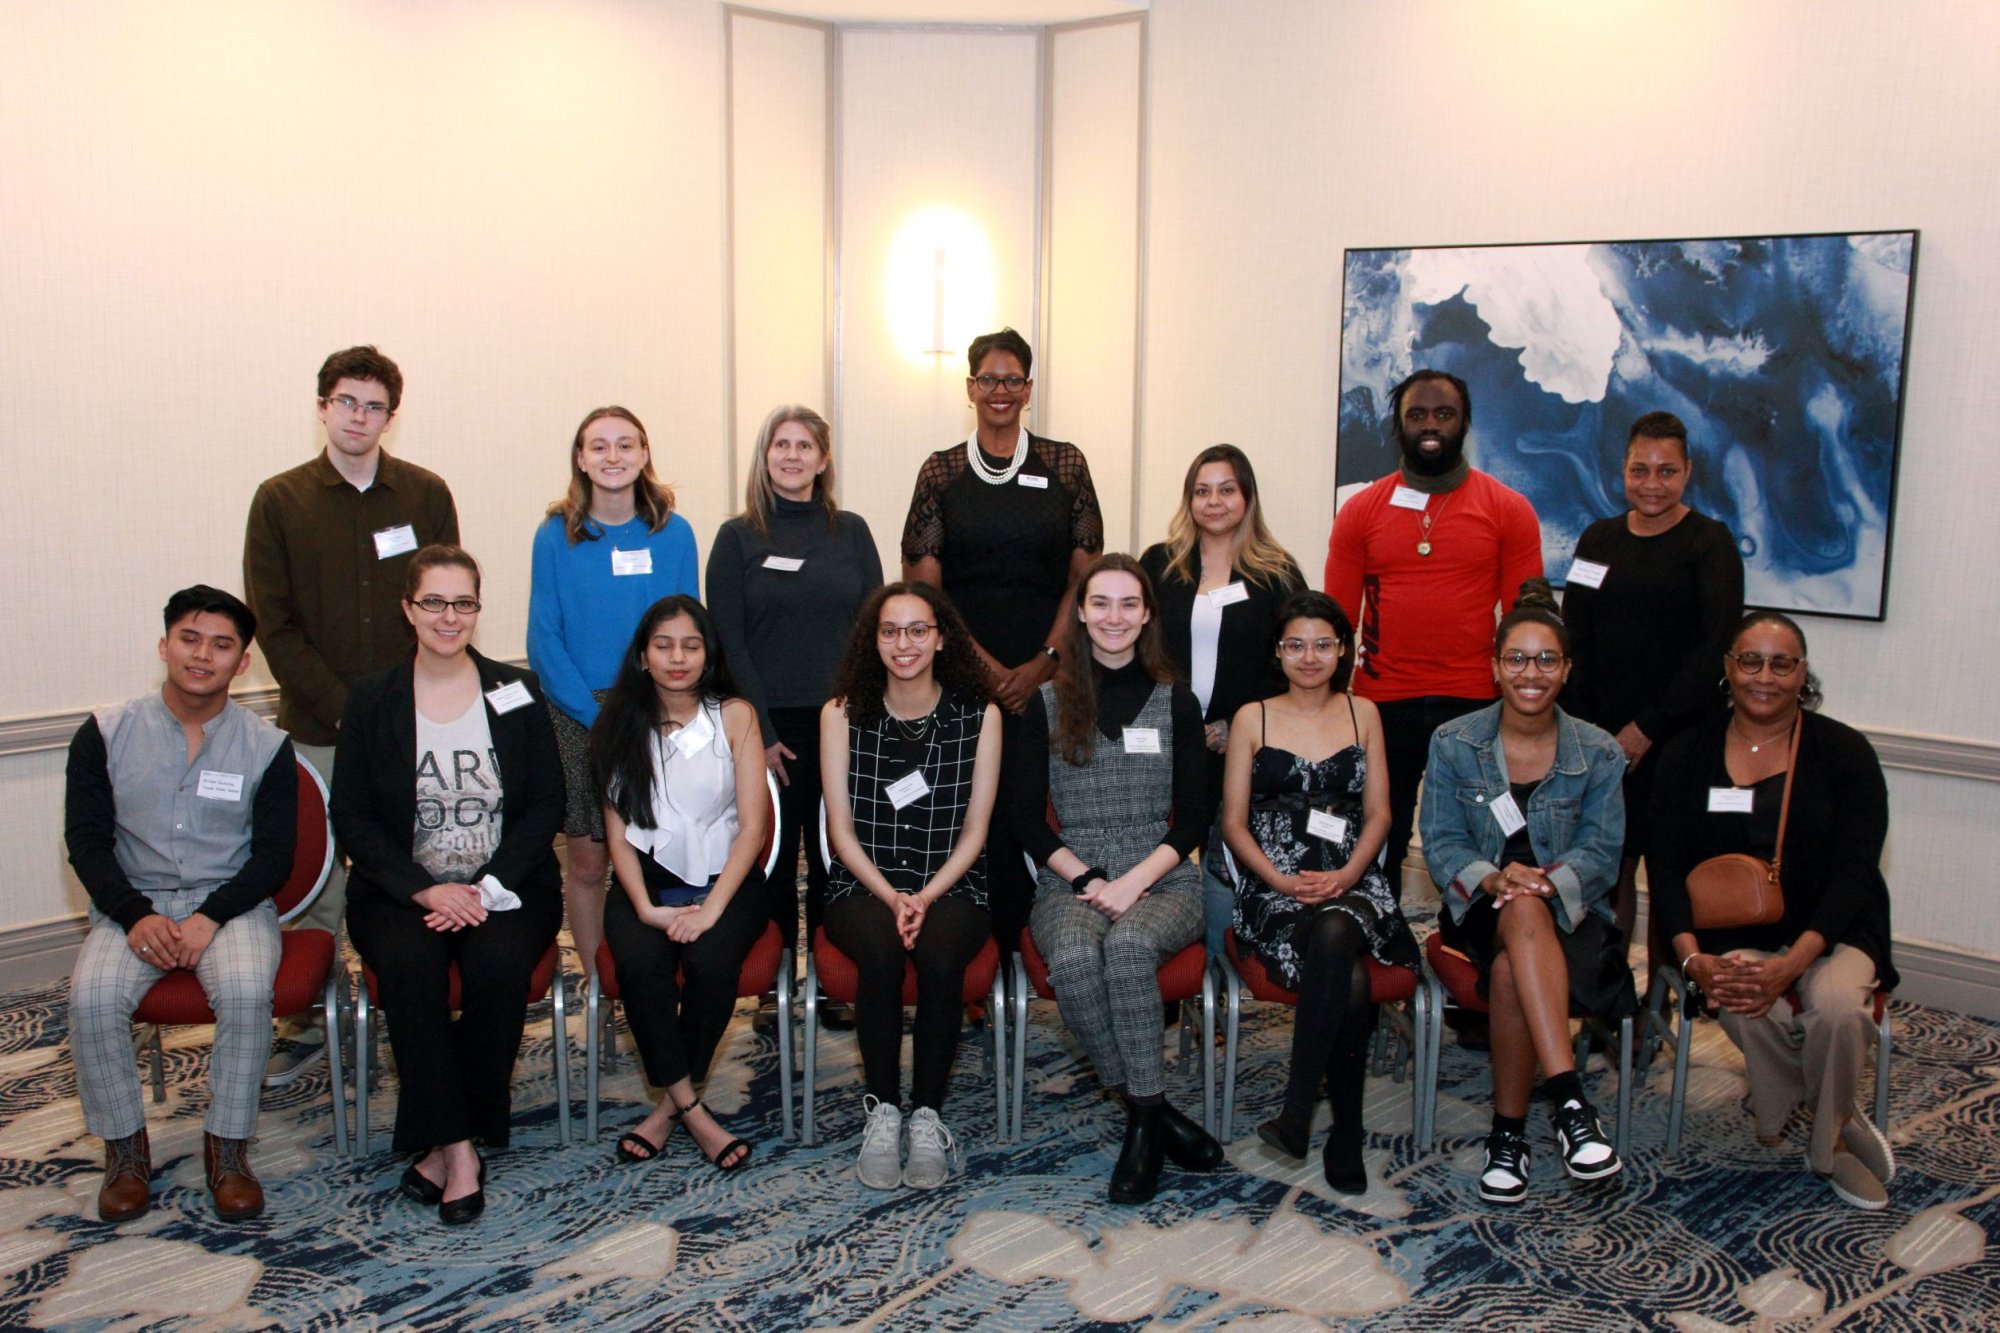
(127, 1191)
(238, 1196)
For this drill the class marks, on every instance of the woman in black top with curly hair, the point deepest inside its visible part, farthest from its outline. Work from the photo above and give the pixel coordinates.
(909, 762)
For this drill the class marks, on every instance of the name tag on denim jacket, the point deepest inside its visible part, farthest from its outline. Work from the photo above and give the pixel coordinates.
(1507, 814)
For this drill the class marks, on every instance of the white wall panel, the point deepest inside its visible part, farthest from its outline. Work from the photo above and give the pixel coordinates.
(1087, 367)
(929, 118)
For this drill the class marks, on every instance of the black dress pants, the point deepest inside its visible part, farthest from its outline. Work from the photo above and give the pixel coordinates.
(456, 1073)
(954, 931)
(798, 825)
(679, 997)
(1407, 725)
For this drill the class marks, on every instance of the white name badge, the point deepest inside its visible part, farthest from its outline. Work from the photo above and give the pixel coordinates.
(506, 698)
(1588, 572)
(1404, 497)
(631, 562)
(214, 786)
(784, 564)
(909, 788)
(1031, 481)
(1320, 824)
(1731, 800)
(394, 541)
(1230, 595)
(1142, 740)
(1507, 814)
(695, 734)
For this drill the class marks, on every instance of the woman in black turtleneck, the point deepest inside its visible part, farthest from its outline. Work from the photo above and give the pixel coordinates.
(1108, 786)
(786, 578)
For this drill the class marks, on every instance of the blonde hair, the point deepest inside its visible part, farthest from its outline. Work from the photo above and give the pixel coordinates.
(1257, 553)
(759, 495)
(653, 498)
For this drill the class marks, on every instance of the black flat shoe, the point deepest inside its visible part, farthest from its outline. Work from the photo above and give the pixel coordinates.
(1136, 1178)
(1186, 1144)
(457, 1212)
(419, 1188)
(1346, 1173)
(1286, 1137)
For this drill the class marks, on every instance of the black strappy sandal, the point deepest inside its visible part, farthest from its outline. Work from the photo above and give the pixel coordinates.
(636, 1147)
(721, 1160)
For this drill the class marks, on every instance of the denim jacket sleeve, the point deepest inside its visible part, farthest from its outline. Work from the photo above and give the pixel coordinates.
(1585, 869)
(1454, 849)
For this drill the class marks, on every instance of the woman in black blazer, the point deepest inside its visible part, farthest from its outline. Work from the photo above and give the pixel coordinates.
(449, 803)
(1220, 578)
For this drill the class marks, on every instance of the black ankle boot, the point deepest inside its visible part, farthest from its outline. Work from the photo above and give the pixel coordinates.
(1186, 1144)
(1345, 1171)
(1136, 1178)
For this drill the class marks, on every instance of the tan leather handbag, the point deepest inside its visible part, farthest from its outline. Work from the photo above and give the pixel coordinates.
(1727, 892)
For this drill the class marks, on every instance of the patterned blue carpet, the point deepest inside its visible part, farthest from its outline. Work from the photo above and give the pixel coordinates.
(1725, 1235)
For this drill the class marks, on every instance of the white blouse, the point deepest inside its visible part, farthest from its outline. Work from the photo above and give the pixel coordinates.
(694, 800)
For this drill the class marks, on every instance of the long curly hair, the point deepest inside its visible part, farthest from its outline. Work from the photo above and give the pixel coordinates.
(621, 743)
(1074, 731)
(863, 677)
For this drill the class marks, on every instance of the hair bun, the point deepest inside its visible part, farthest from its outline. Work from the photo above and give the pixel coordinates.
(1536, 593)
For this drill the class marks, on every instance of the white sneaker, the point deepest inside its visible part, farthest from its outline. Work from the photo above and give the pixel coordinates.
(932, 1149)
(881, 1164)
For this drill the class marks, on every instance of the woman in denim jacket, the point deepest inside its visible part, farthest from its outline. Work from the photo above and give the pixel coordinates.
(1523, 825)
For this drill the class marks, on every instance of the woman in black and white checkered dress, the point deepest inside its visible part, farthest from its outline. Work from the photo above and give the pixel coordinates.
(909, 762)
(1114, 746)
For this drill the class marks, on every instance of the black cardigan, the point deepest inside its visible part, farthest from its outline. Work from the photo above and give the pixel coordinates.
(1833, 841)
(374, 804)
(1245, 669)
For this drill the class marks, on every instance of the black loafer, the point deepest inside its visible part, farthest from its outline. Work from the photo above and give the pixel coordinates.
(418, 1187)
(457, 1212)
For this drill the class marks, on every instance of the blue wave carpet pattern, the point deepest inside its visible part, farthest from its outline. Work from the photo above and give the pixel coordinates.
(1726, 1235)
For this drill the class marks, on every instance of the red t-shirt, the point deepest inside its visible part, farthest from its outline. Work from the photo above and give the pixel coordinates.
(1425, 622)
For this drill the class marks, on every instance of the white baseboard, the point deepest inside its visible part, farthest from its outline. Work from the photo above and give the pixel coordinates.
(43, 952)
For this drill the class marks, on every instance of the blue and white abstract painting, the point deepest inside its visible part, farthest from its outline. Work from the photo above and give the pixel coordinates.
(1785, 356)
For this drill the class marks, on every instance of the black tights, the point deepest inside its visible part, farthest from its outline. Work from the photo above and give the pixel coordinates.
(954, 931)
(1330, 1035)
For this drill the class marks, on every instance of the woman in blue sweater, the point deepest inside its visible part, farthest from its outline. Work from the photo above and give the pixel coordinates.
(610, 548)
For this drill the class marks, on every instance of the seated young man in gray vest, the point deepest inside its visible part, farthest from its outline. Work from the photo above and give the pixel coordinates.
(180, 815)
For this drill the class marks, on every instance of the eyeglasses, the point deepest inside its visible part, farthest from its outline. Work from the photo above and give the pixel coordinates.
(355, 407)
(917, 632)
(1011, 383)
(1297, 647)
(1517, 661)
(437, 606)
(1781, 664)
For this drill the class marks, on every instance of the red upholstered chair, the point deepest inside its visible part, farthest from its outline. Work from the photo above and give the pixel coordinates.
(1674, 1031)
(830, 974)
(1460, 978)
(546, 980)
(1243, 971)
(767, 968)
(307, 976)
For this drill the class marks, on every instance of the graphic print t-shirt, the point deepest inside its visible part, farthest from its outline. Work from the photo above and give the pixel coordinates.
(458, 796)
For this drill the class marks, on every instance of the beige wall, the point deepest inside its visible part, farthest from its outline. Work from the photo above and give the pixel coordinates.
(525, 203)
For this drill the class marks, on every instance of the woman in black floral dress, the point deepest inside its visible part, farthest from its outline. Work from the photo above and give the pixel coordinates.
(1305, 808)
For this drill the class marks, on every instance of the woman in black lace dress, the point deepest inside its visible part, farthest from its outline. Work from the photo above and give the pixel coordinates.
(1305, 807)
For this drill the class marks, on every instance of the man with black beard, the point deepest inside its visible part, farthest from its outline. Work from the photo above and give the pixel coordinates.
(1431, 555)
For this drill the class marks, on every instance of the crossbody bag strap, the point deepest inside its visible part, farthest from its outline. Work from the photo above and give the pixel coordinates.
(1785, 805)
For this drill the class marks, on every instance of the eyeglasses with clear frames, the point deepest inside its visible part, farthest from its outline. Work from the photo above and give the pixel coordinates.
(917, 632)
(1011, 383)
(1517, 661)
(1297, 647)
(1781, 664)
(437, 606)
(355, 407)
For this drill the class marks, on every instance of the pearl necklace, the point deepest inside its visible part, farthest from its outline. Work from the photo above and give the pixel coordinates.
(976, 456)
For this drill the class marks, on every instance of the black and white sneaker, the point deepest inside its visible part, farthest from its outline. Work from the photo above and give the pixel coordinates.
(1586, 1153)
(1505, 1179)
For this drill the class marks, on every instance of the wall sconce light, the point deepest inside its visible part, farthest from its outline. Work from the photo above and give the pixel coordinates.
(941, 290)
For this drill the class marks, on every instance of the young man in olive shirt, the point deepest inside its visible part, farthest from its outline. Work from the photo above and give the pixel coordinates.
(323, 561)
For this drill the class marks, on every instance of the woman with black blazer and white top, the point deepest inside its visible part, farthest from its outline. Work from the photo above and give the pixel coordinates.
(1220, 578)
(449, 803)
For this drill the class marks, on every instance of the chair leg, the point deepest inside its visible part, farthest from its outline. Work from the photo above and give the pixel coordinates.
(1232, 1020)
(996, 1009)
(330, 1002)
(364, 1036)
(808, 1134)
(785, 1037)
(158, 1057)
(1019, 1000)
(1882, 1071)
(560, 1052)
(593, 1052)
(1421, 1018)
(1208, 1121)
(1429, 1096)
(1623, 1137)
